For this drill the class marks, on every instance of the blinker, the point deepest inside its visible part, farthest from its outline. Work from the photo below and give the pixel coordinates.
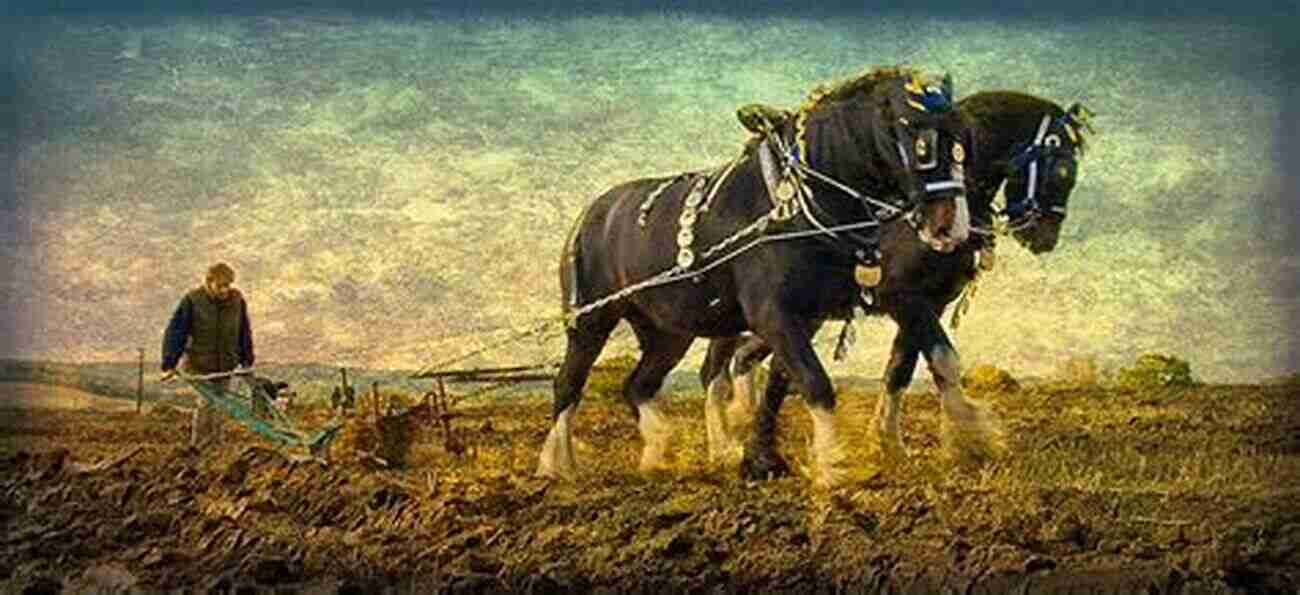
(924, 149)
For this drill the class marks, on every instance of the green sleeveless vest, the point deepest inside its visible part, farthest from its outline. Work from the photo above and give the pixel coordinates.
(214, 333)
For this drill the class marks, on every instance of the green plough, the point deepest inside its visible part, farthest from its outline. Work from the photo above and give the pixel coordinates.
(279, 428)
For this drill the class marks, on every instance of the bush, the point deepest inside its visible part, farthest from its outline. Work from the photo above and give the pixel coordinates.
(1153, 370)
(1078, 371)
(1292, 379)
(989, 378)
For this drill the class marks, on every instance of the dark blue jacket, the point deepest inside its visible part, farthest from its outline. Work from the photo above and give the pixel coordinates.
(176, 337)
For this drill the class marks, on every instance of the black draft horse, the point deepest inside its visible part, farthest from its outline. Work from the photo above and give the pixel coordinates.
(775, 257)
(1030, 143)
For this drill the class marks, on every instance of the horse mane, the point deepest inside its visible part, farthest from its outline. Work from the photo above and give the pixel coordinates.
(1008, 105)
(862, 84)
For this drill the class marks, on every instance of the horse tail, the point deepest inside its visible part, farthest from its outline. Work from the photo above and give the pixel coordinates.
(571, 265)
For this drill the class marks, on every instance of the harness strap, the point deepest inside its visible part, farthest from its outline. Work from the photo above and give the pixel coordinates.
(778, 183)
(649, 202)
(1033, 165)
(890, 210)
(860, 248)
(963, 302)
(678, 273)
(848, 337)
(944, 185)
(793, 171)
(717, 183)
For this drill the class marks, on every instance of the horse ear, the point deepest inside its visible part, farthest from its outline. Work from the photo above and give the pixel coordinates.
(947, 86)
(1074, 111)
(1081, 116)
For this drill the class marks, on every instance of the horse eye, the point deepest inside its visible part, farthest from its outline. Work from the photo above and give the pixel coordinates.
(1052, 140)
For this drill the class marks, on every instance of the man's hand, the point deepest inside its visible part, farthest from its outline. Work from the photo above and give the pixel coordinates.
(167, 375)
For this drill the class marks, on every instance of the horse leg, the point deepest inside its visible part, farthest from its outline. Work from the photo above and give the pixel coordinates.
(898, 375)
(972, 428)
(585, 343)
(791, 342)
(716, 358)
(715, 375)
(762, 461)
(660, 353)
(744, 375)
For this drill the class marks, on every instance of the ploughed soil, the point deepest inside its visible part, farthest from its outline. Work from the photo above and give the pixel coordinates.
(1184, 490)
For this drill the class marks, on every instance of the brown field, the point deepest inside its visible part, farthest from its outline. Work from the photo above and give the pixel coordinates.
(1107, 490)
(27, 395)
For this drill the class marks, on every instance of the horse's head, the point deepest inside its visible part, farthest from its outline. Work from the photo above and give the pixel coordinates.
(925, 143)
(1041, 176)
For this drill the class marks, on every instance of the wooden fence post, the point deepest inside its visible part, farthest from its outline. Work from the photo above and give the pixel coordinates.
(139, 385)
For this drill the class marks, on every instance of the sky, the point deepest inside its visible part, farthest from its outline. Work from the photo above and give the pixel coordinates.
(393, 184)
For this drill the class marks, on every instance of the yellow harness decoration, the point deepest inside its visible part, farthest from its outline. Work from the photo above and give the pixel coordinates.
(867, 276)
(984, 262)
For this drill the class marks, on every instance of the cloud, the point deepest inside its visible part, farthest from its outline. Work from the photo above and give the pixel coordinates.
(376, 218)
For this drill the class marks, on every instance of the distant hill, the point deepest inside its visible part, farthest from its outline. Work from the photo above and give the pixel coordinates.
(121, 379)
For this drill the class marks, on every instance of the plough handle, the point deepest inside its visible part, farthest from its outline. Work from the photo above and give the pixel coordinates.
(215, 375)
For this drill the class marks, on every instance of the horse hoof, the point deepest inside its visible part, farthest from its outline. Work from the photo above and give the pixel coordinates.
(763, 467)
(552, 474)
(726, 455)
(656, 465)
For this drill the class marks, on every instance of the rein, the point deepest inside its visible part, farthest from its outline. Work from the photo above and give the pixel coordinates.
(786, 203)
(795, 173)
(682, 273)
(1027, 158)
(792, 162)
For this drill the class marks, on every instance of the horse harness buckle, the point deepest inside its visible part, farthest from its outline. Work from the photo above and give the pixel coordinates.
(690, 214)
(782, 186)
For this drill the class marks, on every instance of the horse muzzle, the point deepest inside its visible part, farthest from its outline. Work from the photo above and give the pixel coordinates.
(945, 222)
(1040, 233)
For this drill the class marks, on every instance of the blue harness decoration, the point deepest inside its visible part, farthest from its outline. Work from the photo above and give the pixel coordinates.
(1035, 155)
(937, 100)
(280, 430)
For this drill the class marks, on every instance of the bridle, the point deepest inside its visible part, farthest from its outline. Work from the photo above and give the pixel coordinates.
(1035, 160)
(783, 162)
